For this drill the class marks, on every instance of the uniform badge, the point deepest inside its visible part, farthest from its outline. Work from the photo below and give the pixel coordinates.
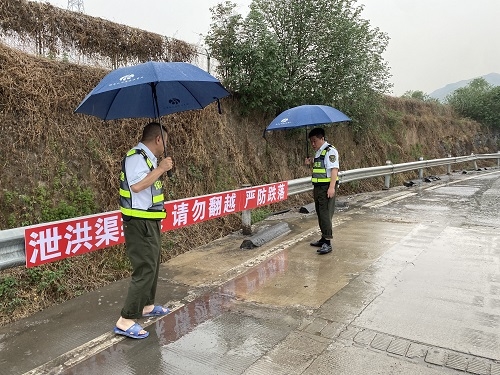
(333, 158)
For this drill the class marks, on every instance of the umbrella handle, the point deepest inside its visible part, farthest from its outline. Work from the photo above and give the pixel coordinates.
(169, 172)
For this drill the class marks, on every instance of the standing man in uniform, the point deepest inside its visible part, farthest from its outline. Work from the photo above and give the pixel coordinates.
(325, 182)
(142, 208)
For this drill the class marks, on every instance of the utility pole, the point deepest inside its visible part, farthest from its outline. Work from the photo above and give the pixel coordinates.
(76, 6)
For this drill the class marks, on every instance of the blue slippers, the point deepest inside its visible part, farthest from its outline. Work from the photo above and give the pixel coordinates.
(132, 332)
(158, 311)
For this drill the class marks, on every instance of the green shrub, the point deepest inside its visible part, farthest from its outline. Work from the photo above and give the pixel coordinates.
(260, 214)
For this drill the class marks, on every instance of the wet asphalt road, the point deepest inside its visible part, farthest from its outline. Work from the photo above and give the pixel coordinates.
(412, 287)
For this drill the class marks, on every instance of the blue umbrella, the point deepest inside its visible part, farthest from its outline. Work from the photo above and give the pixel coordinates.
(306, 115)
(151, 90)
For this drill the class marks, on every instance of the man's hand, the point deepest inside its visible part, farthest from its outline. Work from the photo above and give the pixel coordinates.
(331, 191)
(166, 164)
(308, 161)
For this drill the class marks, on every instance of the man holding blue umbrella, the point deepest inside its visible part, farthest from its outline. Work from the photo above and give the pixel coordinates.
(142, 208)
(325, 162)
(148, 90)
(325, 180)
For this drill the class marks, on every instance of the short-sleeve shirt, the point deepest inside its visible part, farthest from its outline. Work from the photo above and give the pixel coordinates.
(136, 170)
(331, 158)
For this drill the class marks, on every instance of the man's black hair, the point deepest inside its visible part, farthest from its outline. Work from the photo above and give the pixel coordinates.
(317, 132)
(151, 131)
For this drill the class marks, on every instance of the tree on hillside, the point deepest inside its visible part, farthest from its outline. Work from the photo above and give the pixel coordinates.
(419, 95)
(291, 52)
(479, 101)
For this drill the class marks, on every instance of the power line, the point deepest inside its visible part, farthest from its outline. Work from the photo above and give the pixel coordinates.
(76, 6)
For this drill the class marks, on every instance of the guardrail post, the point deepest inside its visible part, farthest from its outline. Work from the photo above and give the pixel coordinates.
(474, 163)
(448, 167)
(246, 218)
(421, 170)
(498, 160)
(387, 182)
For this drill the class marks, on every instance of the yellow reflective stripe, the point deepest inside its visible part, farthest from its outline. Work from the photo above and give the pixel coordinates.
(314, 179)
(136, 151)
(143, 214)
(318, 170)
(158, 198)
(125, 193)
(321, 179)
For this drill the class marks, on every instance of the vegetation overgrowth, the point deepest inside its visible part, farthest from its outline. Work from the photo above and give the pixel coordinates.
(55, 31)
(57, 164)
(479, 101)
(287, 53)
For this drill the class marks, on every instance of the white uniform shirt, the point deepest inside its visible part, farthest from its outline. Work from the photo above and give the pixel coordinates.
(136, 170)
(331, 158)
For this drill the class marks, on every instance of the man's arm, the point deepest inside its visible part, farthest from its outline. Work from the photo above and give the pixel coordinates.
(333, 183)
(164, 166)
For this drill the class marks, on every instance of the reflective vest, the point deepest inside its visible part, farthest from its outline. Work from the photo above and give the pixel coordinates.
(157, 209)
(319, 176)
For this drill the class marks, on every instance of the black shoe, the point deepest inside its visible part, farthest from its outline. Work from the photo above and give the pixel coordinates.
(325, 249)
(318, 243)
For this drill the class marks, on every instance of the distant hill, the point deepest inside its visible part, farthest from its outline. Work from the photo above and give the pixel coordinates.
(492, 79)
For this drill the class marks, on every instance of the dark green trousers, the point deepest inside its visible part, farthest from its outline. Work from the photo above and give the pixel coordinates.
(325, 207)
(143, 247)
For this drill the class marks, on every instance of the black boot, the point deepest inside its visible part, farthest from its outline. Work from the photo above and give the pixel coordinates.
(325, 248)
(318, 243)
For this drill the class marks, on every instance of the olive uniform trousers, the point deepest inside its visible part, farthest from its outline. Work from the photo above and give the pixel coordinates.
(143, 247)
(325, 207)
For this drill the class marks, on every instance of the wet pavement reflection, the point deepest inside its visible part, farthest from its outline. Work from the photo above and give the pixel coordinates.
(121, 358)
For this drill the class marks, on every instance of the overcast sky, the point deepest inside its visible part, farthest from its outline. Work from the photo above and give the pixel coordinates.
(433, 42)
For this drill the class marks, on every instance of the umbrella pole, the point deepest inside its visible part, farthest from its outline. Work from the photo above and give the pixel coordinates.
(157, 110)
(307, 145)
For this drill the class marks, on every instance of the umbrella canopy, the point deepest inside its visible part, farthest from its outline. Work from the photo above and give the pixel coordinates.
(306, 115)
(151, 90)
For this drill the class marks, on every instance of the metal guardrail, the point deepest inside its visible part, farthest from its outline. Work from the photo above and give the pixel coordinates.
(303, 185)
(12, 250)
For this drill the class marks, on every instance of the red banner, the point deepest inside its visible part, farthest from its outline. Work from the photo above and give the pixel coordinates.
(58, 240)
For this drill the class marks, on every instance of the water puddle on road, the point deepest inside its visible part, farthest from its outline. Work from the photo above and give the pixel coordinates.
(119, 358)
